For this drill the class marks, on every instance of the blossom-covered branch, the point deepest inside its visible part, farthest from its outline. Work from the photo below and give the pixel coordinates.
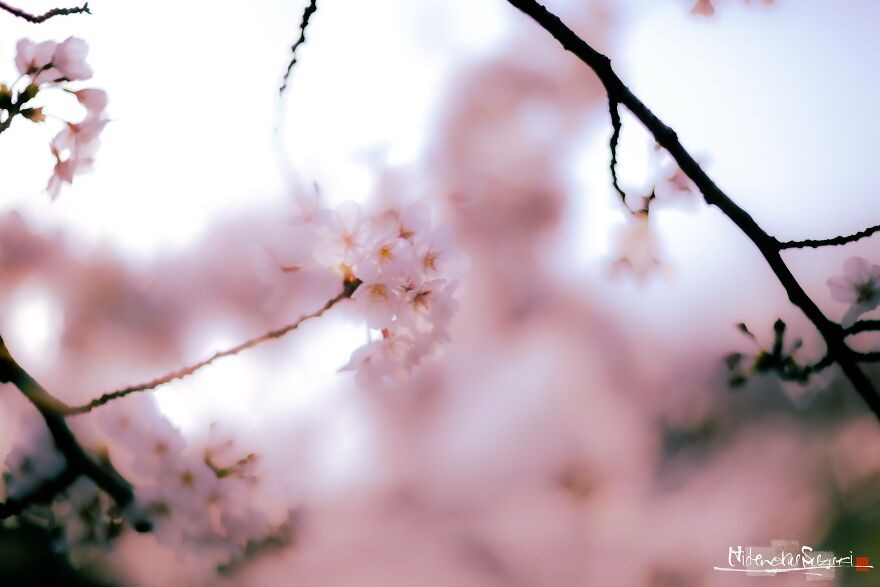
(667, 138)
(310, 9)
(830, 242)
(78, 461)
(38, 18)
(348, 290)
(53, 66)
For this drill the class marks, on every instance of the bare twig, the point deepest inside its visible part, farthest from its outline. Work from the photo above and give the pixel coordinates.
(310, 9)
(713, 195)
(863, 326)
(616, 126)
(830, 242)
(38, 18)
(347, 292)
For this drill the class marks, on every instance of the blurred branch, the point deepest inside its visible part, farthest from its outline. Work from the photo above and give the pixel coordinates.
(863, 326)
(348, 290)
(872, 357)
(38, 18)
(769, 247)
(79, 462)
(310, 9)
(830, 242)
(41, 494)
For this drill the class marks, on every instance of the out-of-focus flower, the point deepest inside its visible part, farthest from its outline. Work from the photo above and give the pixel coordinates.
(69, 58)
(703, 8)
(93, 99)
(342, 238)
(637, 247)
(380, 360)
(57, 64)
(35, 60)
(74, 148)
(186, 496)
(859, 286)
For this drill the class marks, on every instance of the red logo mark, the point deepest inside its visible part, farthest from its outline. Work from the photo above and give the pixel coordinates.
(862, 563)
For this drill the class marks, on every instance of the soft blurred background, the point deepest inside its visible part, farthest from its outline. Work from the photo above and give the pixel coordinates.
(579, 429)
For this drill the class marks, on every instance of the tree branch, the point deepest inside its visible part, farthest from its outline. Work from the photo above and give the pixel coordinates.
(768, 246)
(830, 242)
(347, 292)
(79, 462)
(310, 9)
(872, 357)
(43, 493)
(616, 126)
(38, 18)
(863, 326)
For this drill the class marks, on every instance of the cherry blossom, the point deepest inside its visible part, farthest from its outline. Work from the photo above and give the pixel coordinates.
(94, 100)
(35, 60)
(859, 286)
(186, 493)
(389, 358)
(408, 272)
(342, 237)
(69, 58)
(637, 247)
(55, 65)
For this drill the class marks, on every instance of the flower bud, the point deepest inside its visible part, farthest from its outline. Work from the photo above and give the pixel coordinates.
(34, 114)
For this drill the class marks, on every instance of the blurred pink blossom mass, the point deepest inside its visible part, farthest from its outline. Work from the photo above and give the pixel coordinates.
(396, 327)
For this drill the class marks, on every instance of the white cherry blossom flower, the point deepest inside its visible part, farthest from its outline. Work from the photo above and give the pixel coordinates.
(381, 360)
(391, 259)
(93, 99)
(343, 238)
(35, 60)
(69, 58)
(637, 247)
(859, 286)
(413, 219)
(378, 302)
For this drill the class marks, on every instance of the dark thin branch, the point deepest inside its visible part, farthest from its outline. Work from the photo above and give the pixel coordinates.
(768, 246)
(616, 125)
(347, 292)
(38, 18)
(863, 326)
(43, 493)
(304, 23)
(830, 242)
(51, 409)
(872, 357)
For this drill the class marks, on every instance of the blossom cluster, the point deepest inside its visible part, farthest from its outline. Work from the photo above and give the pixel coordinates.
(196, 498)
(51, 65)
(200, 498)
(407, 272)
